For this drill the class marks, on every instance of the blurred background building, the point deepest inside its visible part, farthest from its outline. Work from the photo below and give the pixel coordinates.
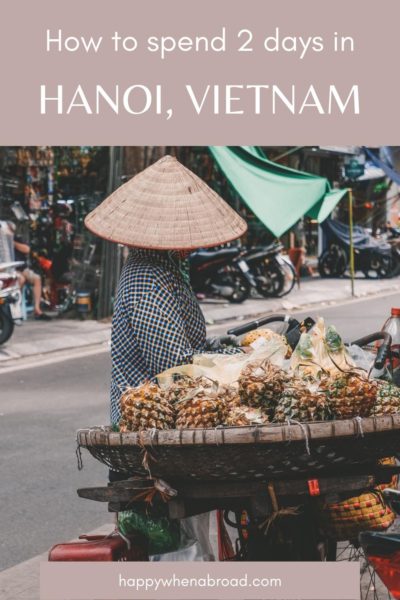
(48, 191)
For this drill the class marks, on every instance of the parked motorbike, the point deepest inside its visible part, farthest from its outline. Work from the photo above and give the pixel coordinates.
(81, 284)
(55, 285)
(273, 271)
(222, 273)
(374, 258)
(10, 300)
(291, 327)
(393, 238)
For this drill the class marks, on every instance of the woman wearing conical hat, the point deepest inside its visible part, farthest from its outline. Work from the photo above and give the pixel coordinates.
(162, 214)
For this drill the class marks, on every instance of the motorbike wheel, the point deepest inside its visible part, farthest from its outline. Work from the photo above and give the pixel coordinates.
(395, 261)
(396, 267)
(6, 325)
(241, 287)
(271, 281)
(332, 262)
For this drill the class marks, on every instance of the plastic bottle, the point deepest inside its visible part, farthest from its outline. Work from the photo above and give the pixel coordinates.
(392, 326)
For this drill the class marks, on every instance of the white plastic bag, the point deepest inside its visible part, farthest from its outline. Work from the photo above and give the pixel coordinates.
(226, 368)
(195, 541)
(363, 359)
(321, 350)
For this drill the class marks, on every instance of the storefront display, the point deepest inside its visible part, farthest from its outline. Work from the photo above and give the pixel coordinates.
(48, 191)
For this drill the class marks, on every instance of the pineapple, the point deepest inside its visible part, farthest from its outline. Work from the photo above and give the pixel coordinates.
(145, 407)
(350, 394)
(181, 386)
(268, 335)
(124, 426)
(230, 394)
(387, 400)
(243, 415)
(302, 402)
(261, 384)
(202, 406)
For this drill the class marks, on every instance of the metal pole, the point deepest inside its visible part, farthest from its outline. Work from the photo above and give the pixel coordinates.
(110, 254)
(351, 240)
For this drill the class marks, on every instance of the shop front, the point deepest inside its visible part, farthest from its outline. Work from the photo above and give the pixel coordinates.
(47, 192)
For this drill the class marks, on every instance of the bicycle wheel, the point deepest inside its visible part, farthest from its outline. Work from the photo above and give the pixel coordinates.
(371, 587)
(290, 278)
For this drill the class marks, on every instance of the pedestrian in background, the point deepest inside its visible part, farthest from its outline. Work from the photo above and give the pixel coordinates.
(27, 275)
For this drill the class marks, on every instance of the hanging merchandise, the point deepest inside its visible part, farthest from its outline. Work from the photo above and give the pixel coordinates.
(48, 191)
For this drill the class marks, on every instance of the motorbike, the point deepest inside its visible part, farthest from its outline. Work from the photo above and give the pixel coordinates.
(10, 300)
(273, 271)
(55, 287)
(374, 258)
(73, 289)
(222, 273)
(393, 238)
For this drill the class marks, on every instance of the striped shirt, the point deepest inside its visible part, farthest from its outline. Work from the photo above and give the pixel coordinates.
(157, 322)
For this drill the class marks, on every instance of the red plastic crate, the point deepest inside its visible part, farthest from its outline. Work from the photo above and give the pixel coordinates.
(101, 548)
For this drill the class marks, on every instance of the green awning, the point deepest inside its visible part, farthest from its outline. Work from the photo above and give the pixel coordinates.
(255, 151)
(323, 209)
(277, 195)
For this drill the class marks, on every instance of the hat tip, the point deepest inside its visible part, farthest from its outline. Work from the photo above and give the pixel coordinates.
(167, 158)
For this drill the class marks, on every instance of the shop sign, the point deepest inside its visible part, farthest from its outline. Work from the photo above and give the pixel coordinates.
(354, 168)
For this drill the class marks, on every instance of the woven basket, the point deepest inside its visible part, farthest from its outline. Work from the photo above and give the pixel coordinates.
(257, 453)
(368, 512)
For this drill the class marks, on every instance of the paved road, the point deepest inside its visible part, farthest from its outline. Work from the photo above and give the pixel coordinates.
(353, 320)
(42, 407)
(361, 318)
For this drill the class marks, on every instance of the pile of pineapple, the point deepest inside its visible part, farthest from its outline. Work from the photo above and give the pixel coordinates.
(265, 393)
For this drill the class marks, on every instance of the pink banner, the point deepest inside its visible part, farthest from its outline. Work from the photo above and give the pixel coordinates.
(199, 580)
(226, 72)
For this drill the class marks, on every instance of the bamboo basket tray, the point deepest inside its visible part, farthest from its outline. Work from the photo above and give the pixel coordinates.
(247, 453)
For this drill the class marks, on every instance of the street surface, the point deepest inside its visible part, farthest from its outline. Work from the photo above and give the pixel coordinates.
(353, 319)
(40, 410)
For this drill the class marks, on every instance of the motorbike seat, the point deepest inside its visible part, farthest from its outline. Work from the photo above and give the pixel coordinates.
(224, 253)
(65, 278)
(273, 247)
(268, 248)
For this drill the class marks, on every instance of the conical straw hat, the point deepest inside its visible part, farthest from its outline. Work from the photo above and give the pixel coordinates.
(166, 207)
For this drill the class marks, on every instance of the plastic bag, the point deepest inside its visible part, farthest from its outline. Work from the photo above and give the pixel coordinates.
(163, 534)
(361, 358)
(322, 349)
(195, 541)
(226, 368)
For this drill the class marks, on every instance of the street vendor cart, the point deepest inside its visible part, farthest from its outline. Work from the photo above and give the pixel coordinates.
(290, 465)
(273, 483)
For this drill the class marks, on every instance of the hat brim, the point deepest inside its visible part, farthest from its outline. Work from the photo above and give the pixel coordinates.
(166, 207)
